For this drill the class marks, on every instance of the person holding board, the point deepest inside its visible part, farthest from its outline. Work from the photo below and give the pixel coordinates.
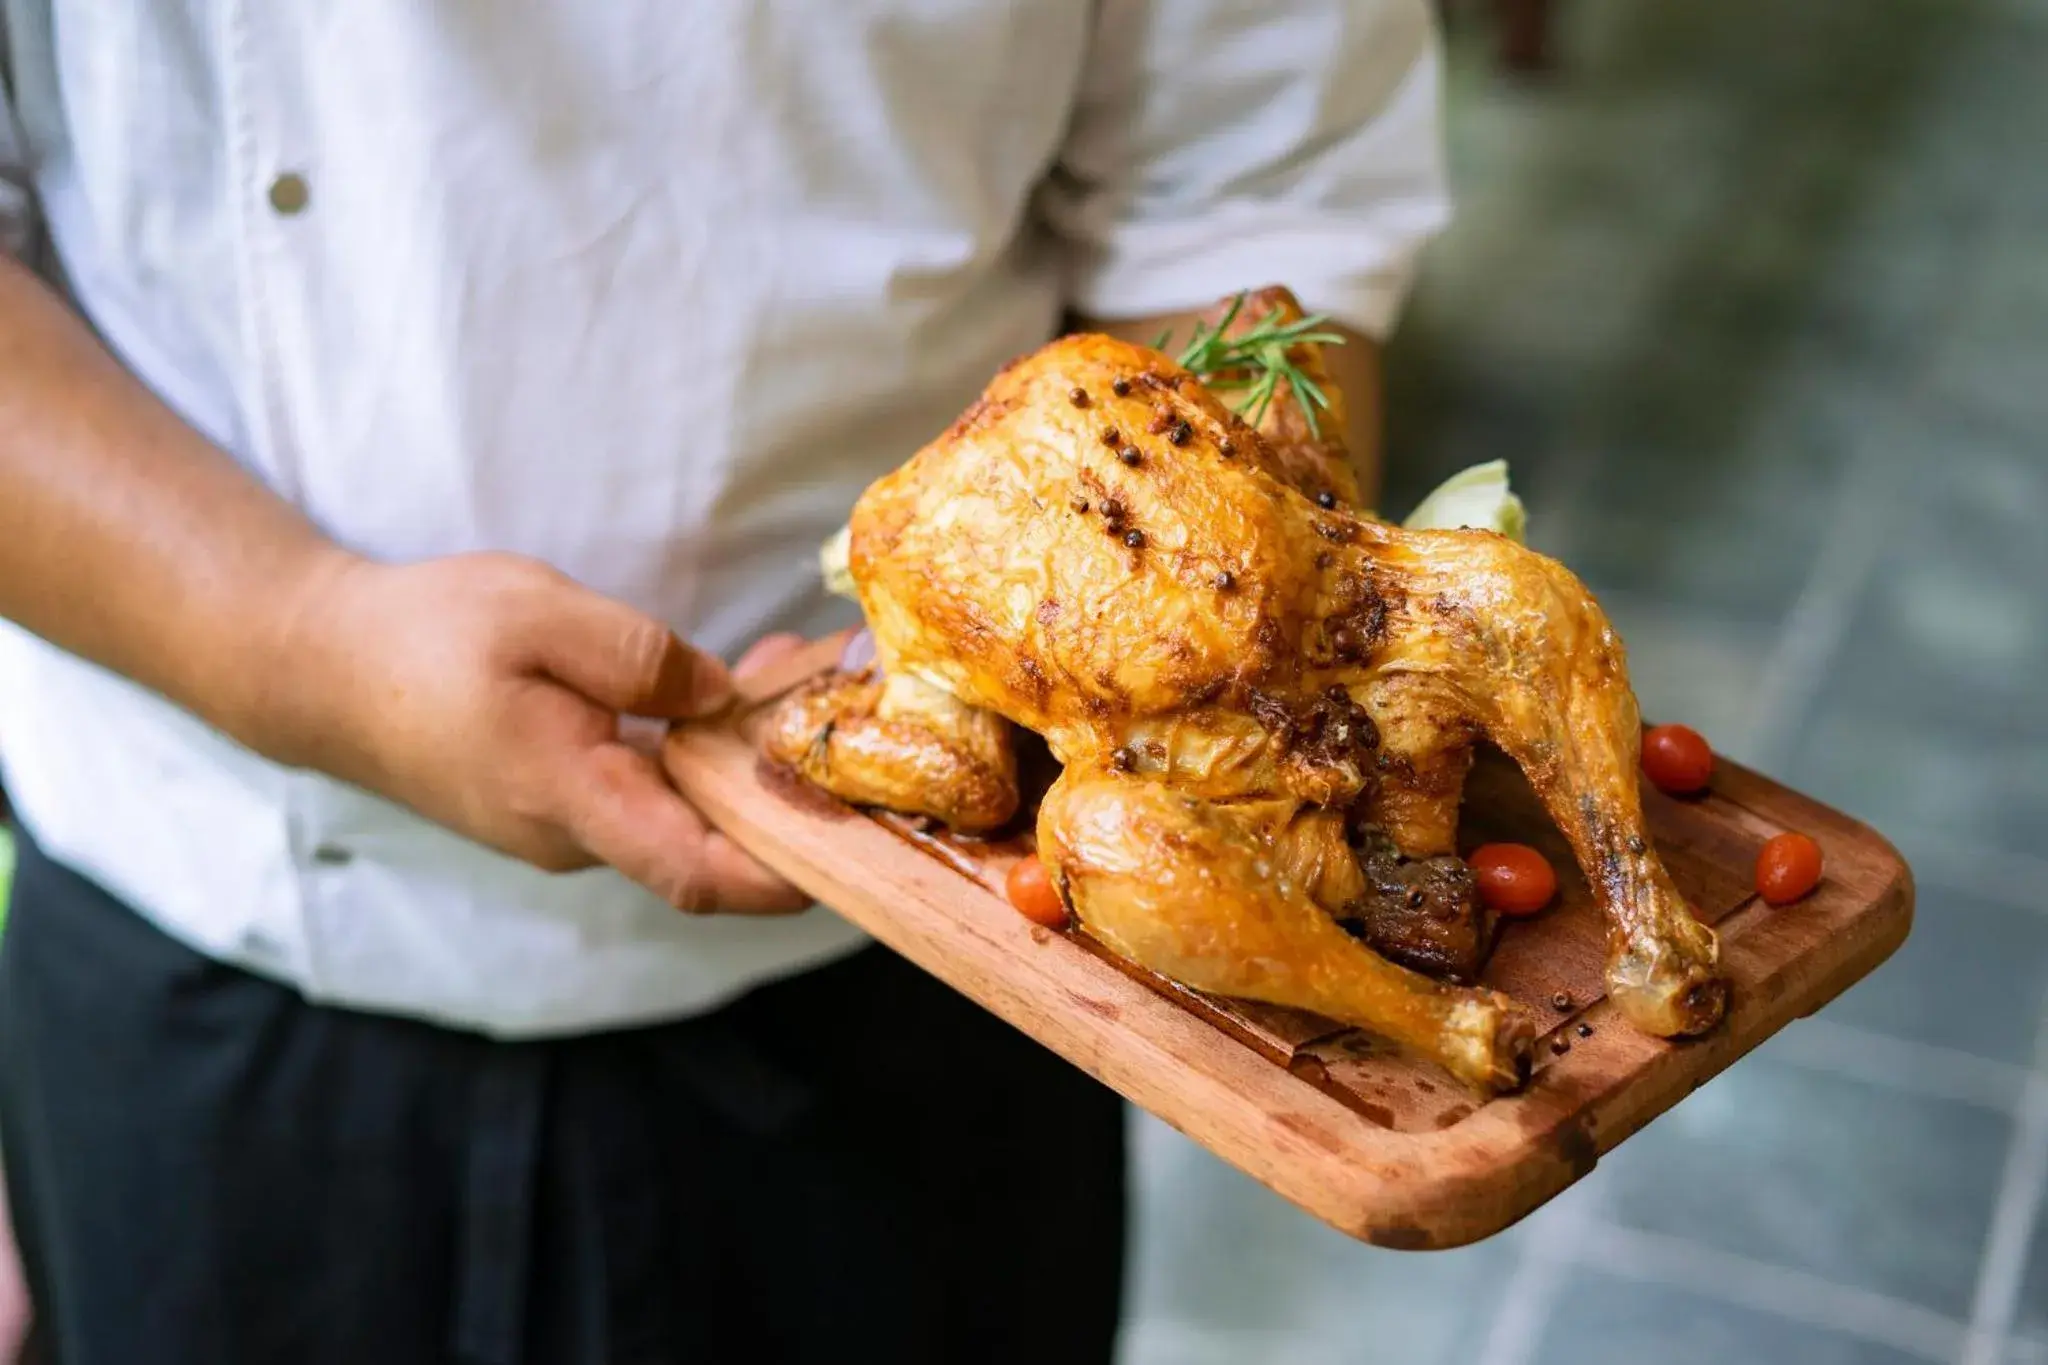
(404, 408)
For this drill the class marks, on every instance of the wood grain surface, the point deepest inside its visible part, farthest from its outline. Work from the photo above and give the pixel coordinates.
(1380, 1146)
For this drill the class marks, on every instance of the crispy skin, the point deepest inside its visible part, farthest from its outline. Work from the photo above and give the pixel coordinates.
(1233, 675)
(901, 745)
(1187, 615)
(1189, 888)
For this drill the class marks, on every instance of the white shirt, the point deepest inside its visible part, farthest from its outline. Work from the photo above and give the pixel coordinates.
(650, 291)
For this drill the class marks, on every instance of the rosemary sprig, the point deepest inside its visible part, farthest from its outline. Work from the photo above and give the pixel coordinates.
(1256, 360)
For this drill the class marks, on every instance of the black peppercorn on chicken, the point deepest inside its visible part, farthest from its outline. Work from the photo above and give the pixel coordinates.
(1264, 701)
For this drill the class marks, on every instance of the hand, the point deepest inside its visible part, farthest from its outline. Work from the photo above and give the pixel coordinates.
(485, 692)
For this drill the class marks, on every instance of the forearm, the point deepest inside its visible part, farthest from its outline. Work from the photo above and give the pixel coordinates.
(483, 691)
(125, 537)
(1355, 366)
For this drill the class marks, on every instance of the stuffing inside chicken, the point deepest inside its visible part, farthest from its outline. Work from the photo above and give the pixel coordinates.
(1264, 699)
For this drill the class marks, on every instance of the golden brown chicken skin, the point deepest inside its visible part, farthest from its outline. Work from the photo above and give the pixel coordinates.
(1238, 679)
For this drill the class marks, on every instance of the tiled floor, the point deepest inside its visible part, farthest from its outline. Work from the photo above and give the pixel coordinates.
(1755, 298)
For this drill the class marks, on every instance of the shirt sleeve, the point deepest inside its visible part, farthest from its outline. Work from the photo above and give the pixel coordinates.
(17, 204)
(1219, 145)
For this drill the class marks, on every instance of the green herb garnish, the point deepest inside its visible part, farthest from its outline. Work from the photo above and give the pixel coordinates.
(1255, 361)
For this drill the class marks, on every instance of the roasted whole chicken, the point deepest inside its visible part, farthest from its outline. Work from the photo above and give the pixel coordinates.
(1263, 698)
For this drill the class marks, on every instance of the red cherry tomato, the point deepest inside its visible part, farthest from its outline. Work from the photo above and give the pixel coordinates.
(1787, 868)
(1032, 892)
(1677, 759)
(1513, 879)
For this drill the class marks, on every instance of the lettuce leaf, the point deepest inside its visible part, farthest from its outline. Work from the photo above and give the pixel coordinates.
(1476, 497)
(833, 563)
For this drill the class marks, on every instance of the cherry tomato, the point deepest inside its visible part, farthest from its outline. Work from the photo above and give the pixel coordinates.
(1787, 868)
(1677, 759)
(1032, 892)
(1513, 879)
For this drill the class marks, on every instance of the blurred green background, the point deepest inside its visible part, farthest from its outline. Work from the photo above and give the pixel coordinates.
(1753, 297)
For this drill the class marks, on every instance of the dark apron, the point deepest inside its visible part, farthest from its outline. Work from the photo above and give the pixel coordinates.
(854, 1163)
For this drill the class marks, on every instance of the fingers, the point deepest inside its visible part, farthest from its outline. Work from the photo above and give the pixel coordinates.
(621, 658)
(732, 882)
(859, 651)
(766, 652)
(616, 804)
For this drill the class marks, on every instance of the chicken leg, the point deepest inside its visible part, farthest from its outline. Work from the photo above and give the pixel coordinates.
(1189, 888)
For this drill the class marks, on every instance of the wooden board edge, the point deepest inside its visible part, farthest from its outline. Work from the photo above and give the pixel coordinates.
(1293, 1138)
(1411, 1191)
(1523, 1150)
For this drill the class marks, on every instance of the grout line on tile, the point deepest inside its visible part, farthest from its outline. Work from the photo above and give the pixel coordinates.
(1942, 1073)
(2016, 880)
(1813, 630)
(2001, 1274)
(1659, 1259)
(2026, 1351)
(1191, 1343)
(1530, 1292)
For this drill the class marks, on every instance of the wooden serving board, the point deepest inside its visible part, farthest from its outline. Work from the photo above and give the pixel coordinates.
(1384, 1148)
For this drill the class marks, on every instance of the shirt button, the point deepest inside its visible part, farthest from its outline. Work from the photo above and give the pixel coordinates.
(262, 946)
(289, 193)
(333, 855)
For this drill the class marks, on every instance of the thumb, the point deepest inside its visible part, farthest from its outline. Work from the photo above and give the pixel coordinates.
(624, 659)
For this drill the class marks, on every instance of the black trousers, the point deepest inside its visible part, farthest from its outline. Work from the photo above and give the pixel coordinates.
(853, 1164)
